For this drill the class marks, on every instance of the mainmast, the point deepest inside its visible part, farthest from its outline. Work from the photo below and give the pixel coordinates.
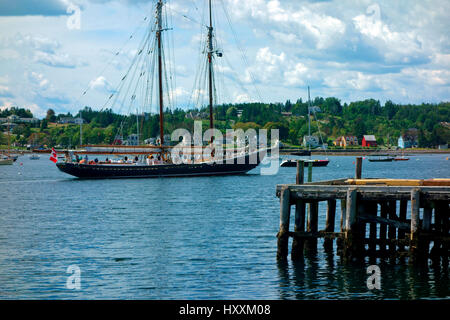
(81, 130)
(161, 100)
(309, 121)
(210, 53)
(9, 139)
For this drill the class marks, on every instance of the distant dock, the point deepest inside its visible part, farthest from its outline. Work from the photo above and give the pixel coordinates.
(385, 218)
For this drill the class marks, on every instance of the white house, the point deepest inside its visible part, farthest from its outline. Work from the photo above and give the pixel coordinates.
(312, 141)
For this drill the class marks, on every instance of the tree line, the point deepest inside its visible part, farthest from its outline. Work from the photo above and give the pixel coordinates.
(329, 119)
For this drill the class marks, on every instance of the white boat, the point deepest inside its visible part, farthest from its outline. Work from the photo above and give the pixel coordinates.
(34, 157)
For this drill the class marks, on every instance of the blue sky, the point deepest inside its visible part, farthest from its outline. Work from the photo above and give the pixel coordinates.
(386, 50)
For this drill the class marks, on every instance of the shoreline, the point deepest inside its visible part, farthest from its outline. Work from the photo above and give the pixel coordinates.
(368, 152)
(290, 151)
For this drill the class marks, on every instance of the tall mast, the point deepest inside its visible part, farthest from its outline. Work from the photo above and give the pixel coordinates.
(81, 130)
(210, 52)
(309, 121)
(158, 37)
(9, 140)
(137, 125)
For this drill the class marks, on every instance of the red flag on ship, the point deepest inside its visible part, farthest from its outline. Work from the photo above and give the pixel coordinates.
(53, 157)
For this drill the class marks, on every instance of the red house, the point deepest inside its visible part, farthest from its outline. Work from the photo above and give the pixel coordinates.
(369, 141)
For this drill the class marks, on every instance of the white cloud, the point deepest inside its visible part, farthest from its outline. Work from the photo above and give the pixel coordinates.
(38, 49)
(395, 46)
(101, 84)
(242, 98)
(337, 47)
(54, 60)
(428, 76)
(291, 22)
(296, 76)
(5, 92)
(36, 110)
(38, 79)
(353, 80)
(267, 66)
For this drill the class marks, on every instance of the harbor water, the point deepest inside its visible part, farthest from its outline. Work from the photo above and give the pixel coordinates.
(183, 238)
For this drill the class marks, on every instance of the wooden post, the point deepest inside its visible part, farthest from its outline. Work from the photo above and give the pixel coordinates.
(339, 240)
(383, 227)
(312, 226)
(358, 170)
(441, 230)
(343, 213)
(329, 223)
(283, 234)
(350, 215)
(392, 233)
(426, 227)
(415, 216)
(372, 209)
(310, 172)
(298, 243)
(402, 218)
(350, 245)
(299, 179)
(427, 213)
(443, 209)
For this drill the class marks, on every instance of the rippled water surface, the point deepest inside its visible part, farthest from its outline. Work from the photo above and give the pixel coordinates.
(181, 238)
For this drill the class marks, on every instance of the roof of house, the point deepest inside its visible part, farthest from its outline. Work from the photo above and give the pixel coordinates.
(370, 138)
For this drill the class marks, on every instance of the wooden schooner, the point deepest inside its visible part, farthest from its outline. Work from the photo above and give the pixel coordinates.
(156, 161)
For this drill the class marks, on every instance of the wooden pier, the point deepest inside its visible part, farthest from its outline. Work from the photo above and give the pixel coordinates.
(385, 218)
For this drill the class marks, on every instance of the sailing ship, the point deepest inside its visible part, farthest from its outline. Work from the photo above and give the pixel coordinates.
(156, 161)
(314, 162)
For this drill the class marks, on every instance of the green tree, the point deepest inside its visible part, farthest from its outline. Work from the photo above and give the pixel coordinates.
(231, 113)
(44, 125)
(50, 115)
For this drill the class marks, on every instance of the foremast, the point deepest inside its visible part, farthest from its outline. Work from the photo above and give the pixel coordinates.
(159, 31)
(210, 68)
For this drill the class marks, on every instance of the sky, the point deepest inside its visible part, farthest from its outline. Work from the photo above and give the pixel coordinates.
(52, 51)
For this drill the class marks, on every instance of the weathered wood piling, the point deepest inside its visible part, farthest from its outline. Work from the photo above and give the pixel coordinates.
(384, 218)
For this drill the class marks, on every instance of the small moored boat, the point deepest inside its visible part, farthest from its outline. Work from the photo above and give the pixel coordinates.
(315, 163)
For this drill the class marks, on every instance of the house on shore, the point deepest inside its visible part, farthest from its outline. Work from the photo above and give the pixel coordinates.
(16, 119)
(68, 120)
(369, 141)
(312, 141)
(344, 141)
(409, 139)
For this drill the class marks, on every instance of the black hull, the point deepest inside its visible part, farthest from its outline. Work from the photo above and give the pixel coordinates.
(382, 160)
(301, 153)
(108, 171)
(293, 163)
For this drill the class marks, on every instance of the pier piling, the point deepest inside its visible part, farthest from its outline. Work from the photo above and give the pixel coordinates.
(374, 218)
